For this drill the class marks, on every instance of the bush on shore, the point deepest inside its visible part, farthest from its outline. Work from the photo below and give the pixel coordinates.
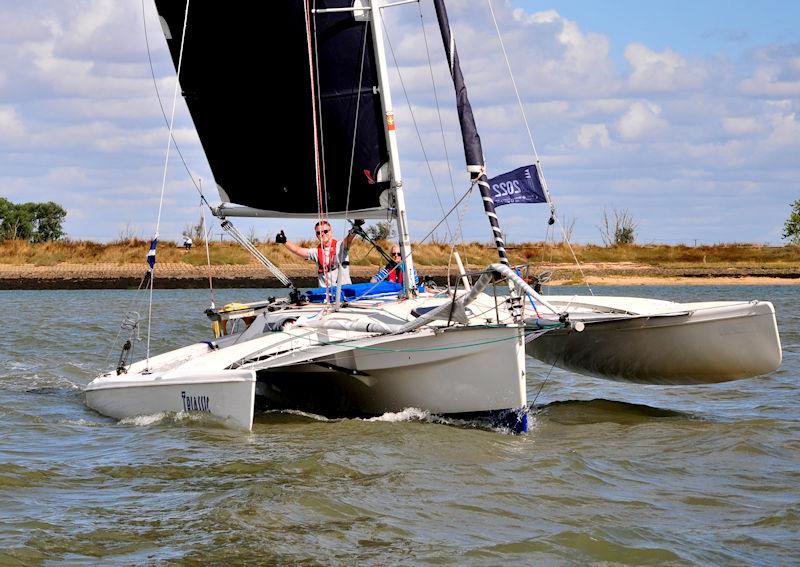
(134, 251)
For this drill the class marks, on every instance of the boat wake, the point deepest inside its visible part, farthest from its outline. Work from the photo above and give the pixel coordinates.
(586, 412)
(407, 415)
(171, 418)
(33, 379)
(483, 422)
(563, 412)
(277, 413)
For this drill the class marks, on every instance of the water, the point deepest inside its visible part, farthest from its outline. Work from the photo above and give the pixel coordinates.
(609, 473)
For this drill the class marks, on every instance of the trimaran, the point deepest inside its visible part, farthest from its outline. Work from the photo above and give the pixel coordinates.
(323, 124)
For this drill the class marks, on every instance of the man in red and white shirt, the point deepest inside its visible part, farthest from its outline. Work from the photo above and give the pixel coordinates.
(330, 256)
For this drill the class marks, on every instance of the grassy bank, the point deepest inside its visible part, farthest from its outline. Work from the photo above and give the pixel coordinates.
(362, 254)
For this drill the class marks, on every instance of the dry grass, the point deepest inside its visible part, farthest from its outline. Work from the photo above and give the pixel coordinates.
(437, 254)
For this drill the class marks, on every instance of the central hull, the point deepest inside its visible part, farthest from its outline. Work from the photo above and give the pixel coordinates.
(460, 370)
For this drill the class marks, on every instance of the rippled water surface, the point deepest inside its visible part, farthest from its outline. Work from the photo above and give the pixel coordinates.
(611, 473)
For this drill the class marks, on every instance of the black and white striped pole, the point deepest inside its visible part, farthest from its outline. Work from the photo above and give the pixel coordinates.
(469, 132)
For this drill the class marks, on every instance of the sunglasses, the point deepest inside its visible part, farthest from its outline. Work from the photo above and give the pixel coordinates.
(396, 254)
(326, 231)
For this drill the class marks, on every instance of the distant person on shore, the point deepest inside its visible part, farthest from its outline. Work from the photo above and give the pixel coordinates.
(187, 243)
(395, 270)
(330, 256)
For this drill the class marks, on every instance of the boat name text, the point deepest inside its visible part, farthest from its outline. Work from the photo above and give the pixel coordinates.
(196, 403)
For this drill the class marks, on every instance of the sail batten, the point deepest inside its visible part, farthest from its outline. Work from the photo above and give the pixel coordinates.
(258, 139)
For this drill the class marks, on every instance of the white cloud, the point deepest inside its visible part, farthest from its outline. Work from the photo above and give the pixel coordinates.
(665, 71)
(766, 81)
(740, 125)
(574, 63)
(776, 72)
(593, 134)
(785, 132)
(11, 126)
(641, 121)
(68, 175)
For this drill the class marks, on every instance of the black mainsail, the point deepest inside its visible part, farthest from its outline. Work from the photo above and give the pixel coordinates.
(245, 78)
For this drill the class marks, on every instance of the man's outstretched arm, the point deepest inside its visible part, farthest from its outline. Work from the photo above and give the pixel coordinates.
(280, 238)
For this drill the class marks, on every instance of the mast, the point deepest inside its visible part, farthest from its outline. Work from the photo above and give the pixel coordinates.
(396, 188)
(476, 166)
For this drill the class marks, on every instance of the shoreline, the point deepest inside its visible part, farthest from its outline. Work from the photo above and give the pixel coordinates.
(187, 276)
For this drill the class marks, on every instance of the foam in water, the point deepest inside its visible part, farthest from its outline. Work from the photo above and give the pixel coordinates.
(144, 420)
(417, 414)
(173, 417)
(314, 416)
(82, 422)
(408, 414)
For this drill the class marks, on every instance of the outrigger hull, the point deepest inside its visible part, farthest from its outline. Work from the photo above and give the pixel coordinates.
(662, 342)
(225, 394)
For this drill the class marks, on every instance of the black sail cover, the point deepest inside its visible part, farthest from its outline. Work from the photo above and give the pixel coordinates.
(245, 78)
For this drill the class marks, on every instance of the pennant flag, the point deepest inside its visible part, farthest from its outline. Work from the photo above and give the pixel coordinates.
(519, 186)
(151, 254)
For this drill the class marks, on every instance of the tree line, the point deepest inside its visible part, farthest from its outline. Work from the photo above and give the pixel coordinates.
(42, 222)
(32, 222)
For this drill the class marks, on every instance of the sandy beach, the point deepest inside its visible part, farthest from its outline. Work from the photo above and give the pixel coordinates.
(181, 275)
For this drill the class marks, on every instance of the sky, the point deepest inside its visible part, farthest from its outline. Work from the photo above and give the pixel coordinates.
(683, 114)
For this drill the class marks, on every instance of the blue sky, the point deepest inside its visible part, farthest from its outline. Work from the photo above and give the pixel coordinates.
(691, 27)
(683, 113)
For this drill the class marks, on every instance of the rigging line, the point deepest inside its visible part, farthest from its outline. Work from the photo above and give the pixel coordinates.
(473, 153)
(321, 130)
(521, 108)
(416, 128)
(255, 358)
(164, 177)
(340, 272)
(544, 382)
(574, 256)
(377, 351)
(137, 298)
(459, 226)
(452, 346)
(533, 146)
(172, 121)
(545, 246)
(161, 106)
(454, 207)
(317, 164)
(462, 213)
(438, 108)
(228, 227)
(205, 239)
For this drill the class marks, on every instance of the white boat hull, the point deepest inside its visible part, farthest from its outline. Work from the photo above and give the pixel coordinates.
(227, 395)
(666, 343)
(462, 370)
(436, 367)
